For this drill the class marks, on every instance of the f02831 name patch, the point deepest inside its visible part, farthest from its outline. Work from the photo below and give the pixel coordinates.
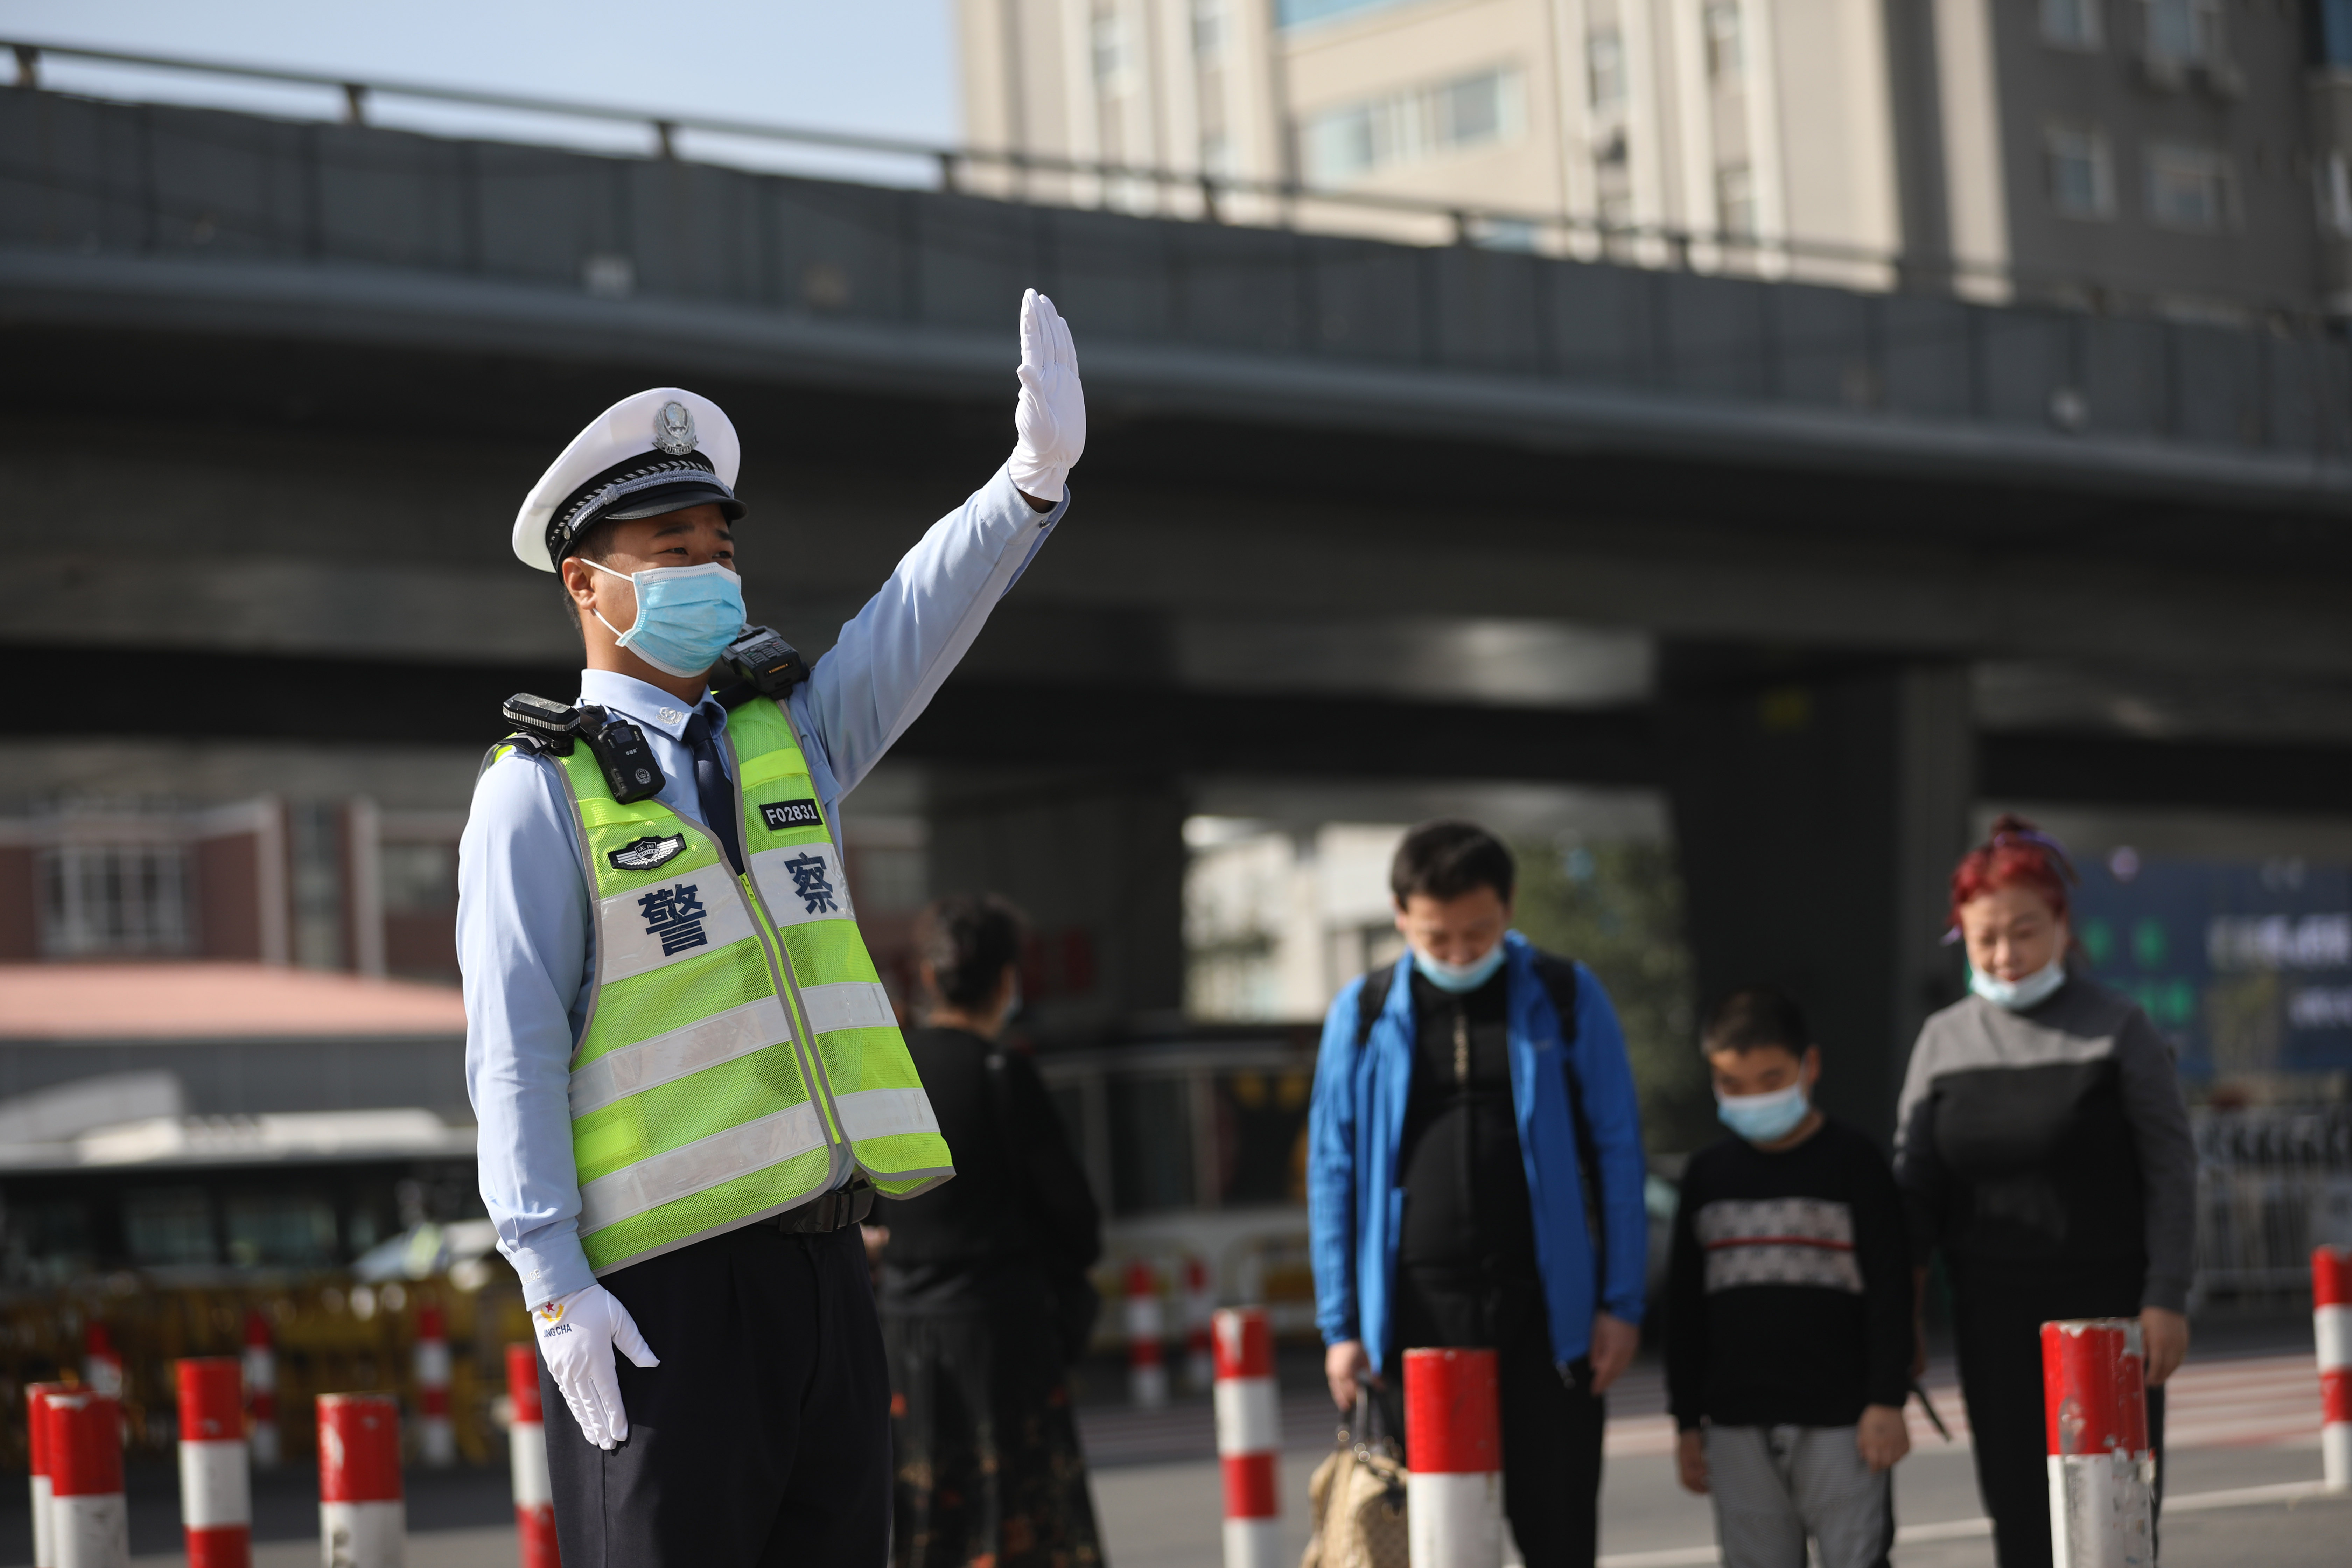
(645, 853)
(780, 815)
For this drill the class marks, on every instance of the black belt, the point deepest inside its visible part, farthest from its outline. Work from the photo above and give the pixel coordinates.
(831, 1211)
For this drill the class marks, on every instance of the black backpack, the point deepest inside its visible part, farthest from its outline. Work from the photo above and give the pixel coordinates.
(1559, 977)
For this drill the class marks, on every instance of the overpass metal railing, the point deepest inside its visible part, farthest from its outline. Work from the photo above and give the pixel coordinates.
(213, 189)
(2273, 1181)
(1217, 198)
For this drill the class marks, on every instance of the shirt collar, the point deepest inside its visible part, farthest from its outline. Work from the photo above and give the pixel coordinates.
(648, 704)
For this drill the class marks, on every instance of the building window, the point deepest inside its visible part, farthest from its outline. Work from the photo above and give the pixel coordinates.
(1735, 201)
(2070, 24)
(114, 898)
(1343, 144)
(1724, 53)
(2188, 187)
(2185, 32)
(2082, 180)
(1110, 51)
(169, 1225)
(1605, 65)
(1208, 28)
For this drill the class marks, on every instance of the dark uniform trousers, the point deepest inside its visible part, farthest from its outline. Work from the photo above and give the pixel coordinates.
(762, 1439)
(1552, 1431)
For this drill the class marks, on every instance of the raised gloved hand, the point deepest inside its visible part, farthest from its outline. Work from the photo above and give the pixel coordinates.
(1051, 413)
(576, 1338)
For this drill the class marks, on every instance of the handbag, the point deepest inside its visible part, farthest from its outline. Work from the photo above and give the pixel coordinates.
(1355, 1500)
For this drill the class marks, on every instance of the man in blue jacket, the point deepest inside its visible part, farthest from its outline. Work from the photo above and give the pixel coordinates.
(1474, 1177)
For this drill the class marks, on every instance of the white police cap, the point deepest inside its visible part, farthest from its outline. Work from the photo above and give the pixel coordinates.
(648, 454)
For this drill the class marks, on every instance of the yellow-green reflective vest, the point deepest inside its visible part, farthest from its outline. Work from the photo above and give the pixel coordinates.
(740, 1048)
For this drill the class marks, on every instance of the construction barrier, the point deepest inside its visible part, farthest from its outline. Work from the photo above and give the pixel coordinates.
(1147, 1379)
(2102, 1472)
(90, 1525)
(2331, 1322)
(36, 1447)
(215, 1490)
(261, 1389)
(437, 1446)
(534, 1494)
(1200, 1309)
(1453, 1445)
(363, 1518)
(1249, 1436)
(101, 1363)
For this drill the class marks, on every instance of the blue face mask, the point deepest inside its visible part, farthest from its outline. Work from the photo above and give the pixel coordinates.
(2017, 996)
(1459, 978)
(1764, 1118)
(686, 615)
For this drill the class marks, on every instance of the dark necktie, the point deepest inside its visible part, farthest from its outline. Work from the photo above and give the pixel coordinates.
(712, 790)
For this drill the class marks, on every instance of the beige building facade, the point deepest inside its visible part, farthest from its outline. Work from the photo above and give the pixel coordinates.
(2167, 151)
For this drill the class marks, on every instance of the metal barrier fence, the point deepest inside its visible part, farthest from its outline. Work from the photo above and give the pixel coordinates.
(1199, 194)
(2272, 1183)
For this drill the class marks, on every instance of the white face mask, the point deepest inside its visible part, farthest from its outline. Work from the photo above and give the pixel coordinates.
(2018, 996)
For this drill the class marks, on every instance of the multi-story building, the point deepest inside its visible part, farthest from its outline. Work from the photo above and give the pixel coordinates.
(2188, 155)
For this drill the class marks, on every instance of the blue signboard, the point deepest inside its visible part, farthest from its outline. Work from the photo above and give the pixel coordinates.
(2245, 965)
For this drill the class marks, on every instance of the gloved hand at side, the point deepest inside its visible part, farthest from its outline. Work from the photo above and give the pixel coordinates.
(1051, 414)
(576, 1338)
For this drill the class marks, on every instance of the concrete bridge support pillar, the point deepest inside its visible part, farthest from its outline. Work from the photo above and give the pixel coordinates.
(1820, 805)
(1098, 866)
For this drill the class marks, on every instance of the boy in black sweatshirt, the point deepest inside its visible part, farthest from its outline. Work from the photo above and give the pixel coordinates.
(1789, 1309)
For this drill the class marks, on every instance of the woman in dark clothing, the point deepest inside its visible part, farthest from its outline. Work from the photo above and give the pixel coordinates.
(2041, 1143)
(979, 1278)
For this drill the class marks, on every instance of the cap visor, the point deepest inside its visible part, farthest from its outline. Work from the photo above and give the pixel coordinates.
(671, 498)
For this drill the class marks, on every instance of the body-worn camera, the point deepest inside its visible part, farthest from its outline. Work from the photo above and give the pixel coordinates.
(621, 752)
(767, 665)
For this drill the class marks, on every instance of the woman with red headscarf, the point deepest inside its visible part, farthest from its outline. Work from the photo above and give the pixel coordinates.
(2042, 1144)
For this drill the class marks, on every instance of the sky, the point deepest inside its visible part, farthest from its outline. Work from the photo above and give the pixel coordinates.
(882, 66)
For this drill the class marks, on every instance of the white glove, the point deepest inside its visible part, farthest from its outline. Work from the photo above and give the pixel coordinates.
(1052, 413)
(576, 1336)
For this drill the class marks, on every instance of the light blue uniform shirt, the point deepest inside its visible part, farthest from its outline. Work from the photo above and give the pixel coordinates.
(525, 937)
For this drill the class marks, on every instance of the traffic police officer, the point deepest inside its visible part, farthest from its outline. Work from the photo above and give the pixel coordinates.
(686, 1075)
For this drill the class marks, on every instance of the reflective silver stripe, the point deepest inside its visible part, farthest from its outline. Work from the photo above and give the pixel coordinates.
(665, 1058)
(632, 933)
(782, 874)
(847, 1004)
(659, 1179)
(880, 1113)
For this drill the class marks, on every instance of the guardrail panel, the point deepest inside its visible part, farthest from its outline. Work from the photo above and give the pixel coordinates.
(2026, 363)
(1821, 347)
(1924, 350)
(2127, 376)
(545, 216)
(73, 176)
(1239, 289)
(1715, 333)
(1105, 269)
(390, 198)
(1489, 307)
(1603, 324)
(972, 257)
(2218, 386)
(839, 250)
(1370, 301)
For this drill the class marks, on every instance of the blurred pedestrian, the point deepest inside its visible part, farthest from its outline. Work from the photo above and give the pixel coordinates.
(985, 1299)
(1474, 1178)
(1787, 1308)
(2043, 1146)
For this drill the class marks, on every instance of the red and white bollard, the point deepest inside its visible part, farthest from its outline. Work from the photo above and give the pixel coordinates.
(2102, 1472)
(215, 1490)
(437, 1446)
(362, 1521)
(36, 1445)
(101, 1363)
(1249, 1437)
(261, 1390)
(1453, 1444)
(1147, 1379)
(1199, 1311)
(2331, 1322)
(90, 1527)
(526, 1447)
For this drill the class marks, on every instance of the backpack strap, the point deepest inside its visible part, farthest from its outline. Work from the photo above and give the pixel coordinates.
(1371, 1000)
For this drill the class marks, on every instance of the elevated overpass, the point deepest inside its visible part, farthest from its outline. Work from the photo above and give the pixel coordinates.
(276, 386)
